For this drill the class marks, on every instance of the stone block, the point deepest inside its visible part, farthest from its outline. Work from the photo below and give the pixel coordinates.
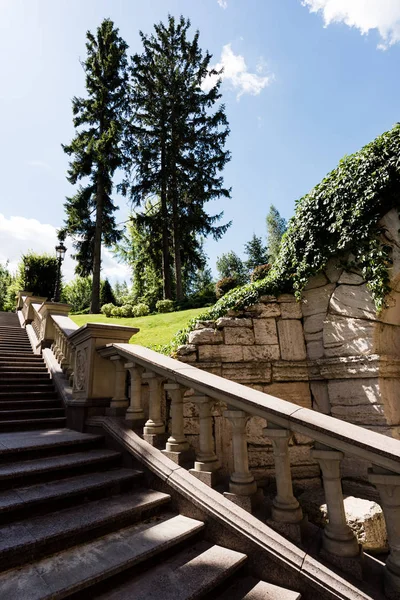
(353, 301)
(239, 335)
(251, 353)
(265, 331)
(333, 270)
(372, 415)
(267, 299)
(348, 278)
(286, 298)
(313, 337)
(347, 336)
(291, 310)
(205, 325)
(297, 392)
(314, 323)
(320, 397)
(221, 353)
(270, 310)
(205, 336)
(215, 368)
(254, 432)
(316, 300)
(291, 340)
(317, 281)
(354, 393)
(186, 350)
(247, 372)
(233, 322)
(290, 371)
(315, 350)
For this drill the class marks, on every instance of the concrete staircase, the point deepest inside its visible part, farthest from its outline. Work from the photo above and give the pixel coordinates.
(27, 395)
(77, 519)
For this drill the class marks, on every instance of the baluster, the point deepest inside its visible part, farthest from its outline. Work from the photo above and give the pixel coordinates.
(206, 464)
(154, 428)
(338, 538)
(388, 486)
(135, 413)
(285, 507)
(241, 481)
(119, 402)
(176, 441)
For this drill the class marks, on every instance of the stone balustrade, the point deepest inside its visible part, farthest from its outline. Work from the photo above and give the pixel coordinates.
(333, 439)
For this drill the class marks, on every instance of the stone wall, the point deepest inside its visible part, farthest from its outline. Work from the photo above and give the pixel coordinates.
(331, 352)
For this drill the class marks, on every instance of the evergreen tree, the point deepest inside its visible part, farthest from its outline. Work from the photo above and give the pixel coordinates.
(106, 293)
(96, 151)
(276, 227)
(177, 145)
(230, 265)
(5, 282)
(256, 253)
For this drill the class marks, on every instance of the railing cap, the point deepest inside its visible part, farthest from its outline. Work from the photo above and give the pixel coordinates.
(104, 331)
(54, 308)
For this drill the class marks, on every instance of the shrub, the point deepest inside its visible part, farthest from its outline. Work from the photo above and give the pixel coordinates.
(224, 285)
(78, 293)
(127, 310)
(38, 272)
(141, 310)
(107, 309)
(165, 306)
(116, 311)
(260, 272)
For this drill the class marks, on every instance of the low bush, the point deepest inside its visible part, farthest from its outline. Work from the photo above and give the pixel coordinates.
(165, 306)
(260, 272)
(224, 285)
(107, 309)
(140, 310)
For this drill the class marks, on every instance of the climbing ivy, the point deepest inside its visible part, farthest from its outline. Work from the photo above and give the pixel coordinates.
(338, 216)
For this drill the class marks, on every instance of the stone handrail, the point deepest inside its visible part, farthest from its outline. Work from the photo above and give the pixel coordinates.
(61, 347)
(333, 439)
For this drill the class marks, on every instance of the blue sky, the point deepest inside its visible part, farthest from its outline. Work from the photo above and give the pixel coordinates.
(305, 83)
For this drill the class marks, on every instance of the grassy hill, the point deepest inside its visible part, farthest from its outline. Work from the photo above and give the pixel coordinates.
(154, 330)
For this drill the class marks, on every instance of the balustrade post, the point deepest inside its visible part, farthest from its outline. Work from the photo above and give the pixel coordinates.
(338, 538)
(206, 464)
(241, 481)
(154, 428)
(388, 486)
(135, 412)
(176, 441)
(119, 401)
(285, 507)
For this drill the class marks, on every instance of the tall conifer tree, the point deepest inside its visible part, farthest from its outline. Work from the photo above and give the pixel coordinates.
(178, 140)
(96, 151)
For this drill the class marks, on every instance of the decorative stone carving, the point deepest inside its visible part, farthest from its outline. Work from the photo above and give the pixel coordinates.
(80, 370)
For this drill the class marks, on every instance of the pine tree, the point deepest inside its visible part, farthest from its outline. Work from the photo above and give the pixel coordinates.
(177, 147)
(106, 293)
(256, 253)
(276, 227)
(96, 151)
(231, 265)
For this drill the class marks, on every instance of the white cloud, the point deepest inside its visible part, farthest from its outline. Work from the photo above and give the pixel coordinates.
(236, 74)
(18, 235)
(365, 15)
(38, 164)
(223, 4)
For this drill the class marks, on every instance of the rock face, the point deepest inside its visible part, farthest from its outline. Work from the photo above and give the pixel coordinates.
(331, 352)
(363, 516)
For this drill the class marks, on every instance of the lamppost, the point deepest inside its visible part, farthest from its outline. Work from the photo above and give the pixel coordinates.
(60, 251)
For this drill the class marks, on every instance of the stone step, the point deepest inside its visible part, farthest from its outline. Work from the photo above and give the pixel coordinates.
(29, 404)
(20, 360)
(79, 567)
(25, 424)
(23, 377)
(29, 355)
(45, 497)
(34, 538)
(30, 444)
(40, 386)
(192, 573)
(23, 395)
(249, 588)
(31, 413)
(23, 366)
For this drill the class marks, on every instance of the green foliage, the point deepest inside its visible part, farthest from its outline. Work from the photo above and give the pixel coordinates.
(276, 227)
(37, 273)
(141, 310)
(78, 293)
(106, 293)
(165, 306)
(5, 282)
(224, 285)
(260, 272)
(100, 121)
(106, 309)
(120, 290)
(339, 216)
(257, 253)
(230, 265)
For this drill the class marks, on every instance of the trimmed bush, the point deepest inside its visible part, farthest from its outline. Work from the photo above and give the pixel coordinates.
(165, 306)
(260, 272)
(224, 285)
(127, 310)
(140, 310)
(106, 309)
(117, 311)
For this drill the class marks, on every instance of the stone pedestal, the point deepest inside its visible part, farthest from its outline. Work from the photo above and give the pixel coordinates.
(134, 415)
(154, 428)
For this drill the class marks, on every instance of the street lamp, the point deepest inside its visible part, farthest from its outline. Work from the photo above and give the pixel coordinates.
(60, 253)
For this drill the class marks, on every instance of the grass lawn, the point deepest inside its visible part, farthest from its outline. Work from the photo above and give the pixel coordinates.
(154, 329)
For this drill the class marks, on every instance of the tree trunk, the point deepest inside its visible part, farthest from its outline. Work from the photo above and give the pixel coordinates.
(177, 250)
(95, 300)
(167, 287)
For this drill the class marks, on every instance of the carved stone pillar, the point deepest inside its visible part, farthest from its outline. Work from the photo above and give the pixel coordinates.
(119, 401)
(242, 481)
(134, 413)
(388, 486)
(154, 425)
(176, 441)
(286, 508)
(338, 538)
(206, 464)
